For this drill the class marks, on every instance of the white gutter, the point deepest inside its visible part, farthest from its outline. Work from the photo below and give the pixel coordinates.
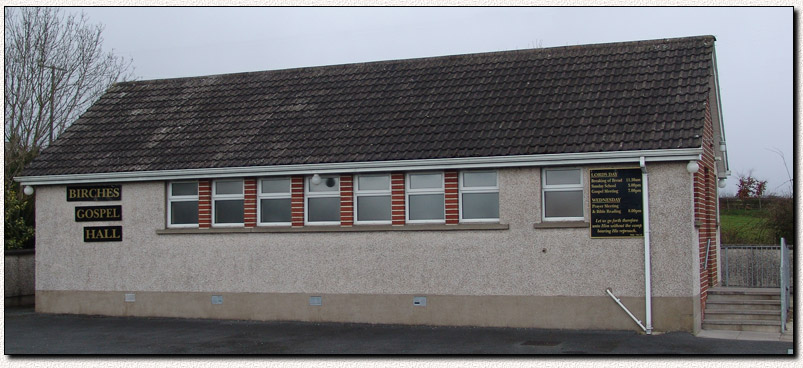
(372, 166)
(645, 192)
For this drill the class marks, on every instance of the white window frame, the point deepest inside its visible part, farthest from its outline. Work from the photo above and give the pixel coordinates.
(217, 197)
(261, 196)
(180, 198)
(408, 192)
(562, 188)
(372, 193)
(464, 189)
(308, 194)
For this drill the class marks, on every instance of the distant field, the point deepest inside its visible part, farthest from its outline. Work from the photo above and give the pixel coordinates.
(744, 227)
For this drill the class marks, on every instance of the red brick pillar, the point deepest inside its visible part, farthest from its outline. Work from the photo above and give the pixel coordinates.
(297, 200)
(705, 209)
(250, 202)
(204, 204)
(397, 201)
(450, 198)
(346, 200)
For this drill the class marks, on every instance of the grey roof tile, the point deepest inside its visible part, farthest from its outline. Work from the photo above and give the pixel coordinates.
(621, 96)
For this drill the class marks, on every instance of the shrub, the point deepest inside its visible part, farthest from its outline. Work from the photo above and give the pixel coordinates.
(19, 233)
(780, 215)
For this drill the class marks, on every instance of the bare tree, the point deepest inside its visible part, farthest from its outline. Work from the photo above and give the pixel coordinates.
(791, 181)
(55, 68)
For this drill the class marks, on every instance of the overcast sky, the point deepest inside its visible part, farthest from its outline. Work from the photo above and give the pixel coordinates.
(754, 50)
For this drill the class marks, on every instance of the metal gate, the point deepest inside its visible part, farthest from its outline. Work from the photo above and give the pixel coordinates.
(754, 265)
(786, 282)
(764, 266)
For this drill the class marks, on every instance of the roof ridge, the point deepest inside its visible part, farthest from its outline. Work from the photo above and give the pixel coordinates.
(431, 58)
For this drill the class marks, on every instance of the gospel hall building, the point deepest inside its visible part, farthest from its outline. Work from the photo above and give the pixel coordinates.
(527, 188)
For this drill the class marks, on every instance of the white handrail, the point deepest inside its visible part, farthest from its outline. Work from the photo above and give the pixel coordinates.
(707, 251)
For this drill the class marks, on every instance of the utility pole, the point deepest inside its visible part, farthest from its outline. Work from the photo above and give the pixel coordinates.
(52, 94)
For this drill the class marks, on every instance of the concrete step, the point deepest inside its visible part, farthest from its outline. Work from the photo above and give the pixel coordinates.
(742, 314)
(742, 325)
(740, 297)
(744, 304)
(744, 294)
(743, 290)
(789, 334)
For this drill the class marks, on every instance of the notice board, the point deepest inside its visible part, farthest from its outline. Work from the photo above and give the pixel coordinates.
(617, 209)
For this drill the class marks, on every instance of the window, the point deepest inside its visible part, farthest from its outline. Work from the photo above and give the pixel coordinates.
(562, 194)
(372, 199)
(425, 198)
(323, 201)
(274, 202)
(182, 208)
(227, 203)
(479, 196)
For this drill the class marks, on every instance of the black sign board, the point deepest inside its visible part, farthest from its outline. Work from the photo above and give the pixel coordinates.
(617, 209)
(103, 234)
(76, 193)
(98, 213)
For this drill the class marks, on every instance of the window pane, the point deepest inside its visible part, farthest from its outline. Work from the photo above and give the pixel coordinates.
(229, 187)
(373, 208)
(426, 181)
(373, 182)
(563, 203)
(182, 189)
(480, 205)
(275, 210)
(562, 176)
(479, 179)
(328, 184)
(184, 212)
(426, 207)
(229, 211)
(281, 185)
(323, 209)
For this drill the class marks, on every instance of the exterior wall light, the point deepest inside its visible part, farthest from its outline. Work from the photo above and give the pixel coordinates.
(722, 183)
(28, 190)
(692, 167)
(316, 179)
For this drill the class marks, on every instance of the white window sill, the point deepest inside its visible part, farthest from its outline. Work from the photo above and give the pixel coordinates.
(335, 229)
(561, 225)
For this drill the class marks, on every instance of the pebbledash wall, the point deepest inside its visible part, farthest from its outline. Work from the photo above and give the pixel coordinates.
(517, 273)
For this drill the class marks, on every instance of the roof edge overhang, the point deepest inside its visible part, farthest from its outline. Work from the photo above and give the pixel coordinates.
(560, 159)
(722, 145)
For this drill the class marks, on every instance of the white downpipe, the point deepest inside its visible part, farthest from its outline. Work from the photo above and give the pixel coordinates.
(608, 290)
(645, 192)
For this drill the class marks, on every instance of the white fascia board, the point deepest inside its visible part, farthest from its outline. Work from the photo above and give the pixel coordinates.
(561, 159)
(721, 121)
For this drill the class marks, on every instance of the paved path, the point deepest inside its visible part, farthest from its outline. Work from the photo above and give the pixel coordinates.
(749, 335)
(27, 332)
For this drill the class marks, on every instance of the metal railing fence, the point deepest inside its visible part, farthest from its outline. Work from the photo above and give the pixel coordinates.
(767, 266)
(752, 265)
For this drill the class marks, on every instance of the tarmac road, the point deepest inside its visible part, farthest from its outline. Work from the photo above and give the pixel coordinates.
(27, 332)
